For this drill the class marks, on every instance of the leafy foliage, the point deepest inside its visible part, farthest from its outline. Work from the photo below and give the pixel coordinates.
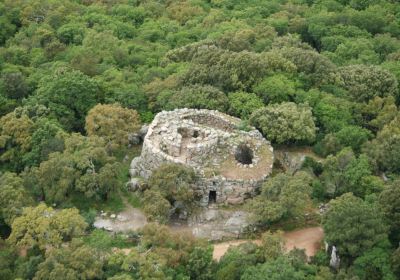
(303, 72)
(112, 122)
(42, 226)
(351, 241)
(283, 196)
(285, 123)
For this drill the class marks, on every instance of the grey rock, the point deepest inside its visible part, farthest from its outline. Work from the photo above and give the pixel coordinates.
(134, 184)
(134, 139)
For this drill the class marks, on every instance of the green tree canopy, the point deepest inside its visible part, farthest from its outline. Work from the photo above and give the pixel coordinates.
(76, 261)
(43, 226)
(13, 197)
(242, 104)
(285, 123)
(385, 148)
(365, 82)
(339, 223)
(283, 196)
(389, 200)
(195, 96)
(175, 182)
(279, 269)
(69, 94)
(112, 122)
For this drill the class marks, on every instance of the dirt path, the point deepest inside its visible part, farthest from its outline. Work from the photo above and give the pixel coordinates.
(308, 239)
(129, 219)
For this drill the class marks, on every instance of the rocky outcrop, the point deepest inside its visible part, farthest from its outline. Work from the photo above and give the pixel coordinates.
(217, 224)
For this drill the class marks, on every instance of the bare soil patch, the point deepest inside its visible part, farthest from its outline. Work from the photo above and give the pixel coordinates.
(308, 239)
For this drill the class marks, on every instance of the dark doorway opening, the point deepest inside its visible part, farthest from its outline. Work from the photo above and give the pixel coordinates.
(244, 154)
(212, 197)
(195, 134)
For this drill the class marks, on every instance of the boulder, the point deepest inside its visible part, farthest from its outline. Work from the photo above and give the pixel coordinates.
(134, 138)
(235, 200)
(143, 131)
(134, 184)
(290, 161)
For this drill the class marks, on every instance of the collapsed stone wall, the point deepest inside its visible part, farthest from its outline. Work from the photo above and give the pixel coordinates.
(206, 141)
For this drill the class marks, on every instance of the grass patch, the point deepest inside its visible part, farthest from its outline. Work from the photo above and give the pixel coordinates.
(113, 204)
(134, 200)
(129, 152)
(103, 240)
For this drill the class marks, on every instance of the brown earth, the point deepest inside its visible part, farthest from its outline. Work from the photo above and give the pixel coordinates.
(308, 239)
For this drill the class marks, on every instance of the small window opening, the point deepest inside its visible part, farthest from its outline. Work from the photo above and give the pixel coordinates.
(195, 134)
(244, 154)
(212, 197)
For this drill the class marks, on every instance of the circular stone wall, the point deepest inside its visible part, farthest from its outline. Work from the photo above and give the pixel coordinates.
(231, 163)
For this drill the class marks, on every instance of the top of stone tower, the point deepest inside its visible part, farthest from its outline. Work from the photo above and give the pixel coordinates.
(213, 143)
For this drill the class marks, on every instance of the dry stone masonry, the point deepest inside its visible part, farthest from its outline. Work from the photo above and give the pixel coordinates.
(231, 162)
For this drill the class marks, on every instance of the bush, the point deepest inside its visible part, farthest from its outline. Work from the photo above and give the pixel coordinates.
(285, 123)
(242, 104)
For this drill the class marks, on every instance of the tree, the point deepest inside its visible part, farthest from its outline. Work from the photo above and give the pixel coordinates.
(8, 256)
(339, 223)
(13, 197)
(389, 201)
(355, 51)
(385, 148)
(285, 122)
(15, 138)
(200, 263)
(172, 251)
(242, 104)
(395, 262)
(54, 178)
(7, 27)
(379, 112)
(331, 113)
(272, 246)
(276, 89)
(353, 136)
(194, 96)
(47, 138)
(175, 182)
(227, 70)
(366, 82)
(112, 122)
(346, 173)
(283, 196)
(13, 84)
(71, 33)
(374, 265)
(120, 87)
(43, 226)
(236, 260)
(100, 184)
(279, 269)
(315, 68)
(76, 261)
(69, 94)
(83, 167)
(156, 207)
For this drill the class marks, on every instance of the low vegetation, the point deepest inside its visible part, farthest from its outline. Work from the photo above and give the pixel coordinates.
(77, 78)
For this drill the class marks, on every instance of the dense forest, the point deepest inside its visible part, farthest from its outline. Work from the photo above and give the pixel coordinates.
(77, 77)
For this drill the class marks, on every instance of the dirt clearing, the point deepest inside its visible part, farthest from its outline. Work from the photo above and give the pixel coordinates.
(308, 239)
